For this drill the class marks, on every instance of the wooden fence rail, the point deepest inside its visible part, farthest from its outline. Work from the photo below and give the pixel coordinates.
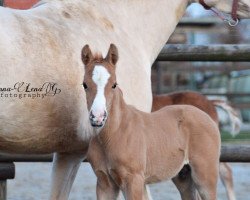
(229, 153)
(211, 53)
(205, 22)
(235, 153)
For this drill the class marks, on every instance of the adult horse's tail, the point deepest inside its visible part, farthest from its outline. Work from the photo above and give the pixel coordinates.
(233, 115)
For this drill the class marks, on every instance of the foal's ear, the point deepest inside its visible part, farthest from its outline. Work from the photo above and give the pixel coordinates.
(86, 55)
(112, 56)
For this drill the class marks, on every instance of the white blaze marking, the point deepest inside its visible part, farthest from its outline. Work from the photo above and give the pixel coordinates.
(100, 77)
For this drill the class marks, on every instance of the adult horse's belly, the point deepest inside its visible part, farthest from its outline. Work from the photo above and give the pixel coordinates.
(36, 124)
(41, 145)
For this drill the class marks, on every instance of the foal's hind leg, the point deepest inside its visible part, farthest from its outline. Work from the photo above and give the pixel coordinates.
(184, 183)
(205, 175)
(227, 180)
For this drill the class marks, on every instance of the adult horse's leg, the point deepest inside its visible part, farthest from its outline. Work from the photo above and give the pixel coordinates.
(65, 167)
(184, 183)
(227, 180)
(147, 193)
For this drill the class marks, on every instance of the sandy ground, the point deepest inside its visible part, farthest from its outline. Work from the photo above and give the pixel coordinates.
(32, 183)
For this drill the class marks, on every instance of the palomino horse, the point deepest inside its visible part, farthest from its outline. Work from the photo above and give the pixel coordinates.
(133, 148)
(42, 45)
(200, 101)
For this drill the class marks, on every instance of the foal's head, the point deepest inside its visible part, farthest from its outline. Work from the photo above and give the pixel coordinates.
(99, 83)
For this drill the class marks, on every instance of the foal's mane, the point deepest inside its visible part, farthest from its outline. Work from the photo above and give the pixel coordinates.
(98, 58)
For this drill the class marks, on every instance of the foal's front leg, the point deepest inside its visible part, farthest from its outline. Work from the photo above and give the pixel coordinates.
(106, 189)
(133, 187)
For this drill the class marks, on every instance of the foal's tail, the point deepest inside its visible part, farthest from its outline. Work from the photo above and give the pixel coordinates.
(233, 116)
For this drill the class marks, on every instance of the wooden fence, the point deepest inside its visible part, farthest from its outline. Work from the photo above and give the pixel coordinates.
(229, 153)
(230, 54)
(210, 53)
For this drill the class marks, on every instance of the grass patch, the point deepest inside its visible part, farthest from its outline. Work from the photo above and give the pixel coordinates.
(243, 136)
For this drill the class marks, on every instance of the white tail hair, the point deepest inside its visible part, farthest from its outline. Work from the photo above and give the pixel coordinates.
(233, 116)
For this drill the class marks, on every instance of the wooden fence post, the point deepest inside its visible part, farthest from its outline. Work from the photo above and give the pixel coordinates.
(7, 171)
(3, 190)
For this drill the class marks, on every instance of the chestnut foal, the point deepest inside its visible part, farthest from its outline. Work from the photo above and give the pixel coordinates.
(133, 148)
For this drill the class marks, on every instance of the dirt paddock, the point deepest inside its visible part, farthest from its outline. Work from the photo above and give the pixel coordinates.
(32, 183)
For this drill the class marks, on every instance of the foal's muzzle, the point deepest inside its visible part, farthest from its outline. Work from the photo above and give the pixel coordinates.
(99, 120)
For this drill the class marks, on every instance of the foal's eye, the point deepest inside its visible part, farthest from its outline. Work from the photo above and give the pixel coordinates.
(114, 86)
(85, 86)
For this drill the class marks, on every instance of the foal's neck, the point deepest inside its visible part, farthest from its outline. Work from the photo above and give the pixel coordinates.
(116, 114)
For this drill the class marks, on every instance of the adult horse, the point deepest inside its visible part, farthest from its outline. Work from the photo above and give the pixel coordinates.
(40, 54)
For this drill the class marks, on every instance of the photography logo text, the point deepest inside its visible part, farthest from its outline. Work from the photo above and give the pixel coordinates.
(27, 90)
